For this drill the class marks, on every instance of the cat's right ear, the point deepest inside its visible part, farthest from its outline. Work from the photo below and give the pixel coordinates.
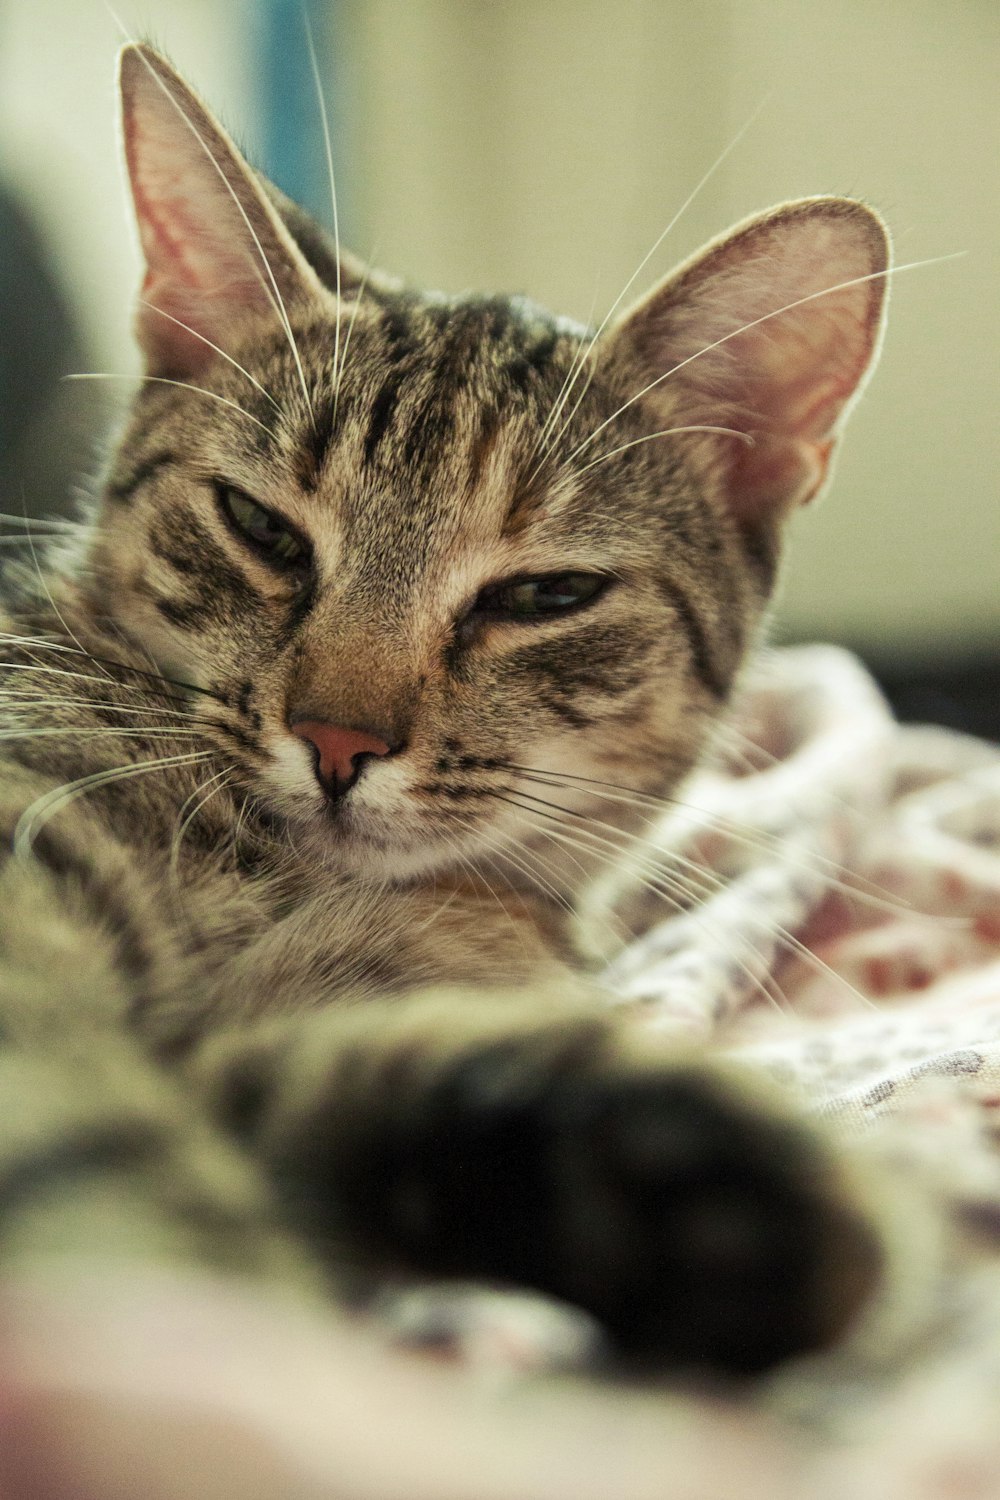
(217, 252)
(771, 332)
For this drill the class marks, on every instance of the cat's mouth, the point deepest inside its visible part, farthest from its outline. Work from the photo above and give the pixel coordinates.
(391, 842)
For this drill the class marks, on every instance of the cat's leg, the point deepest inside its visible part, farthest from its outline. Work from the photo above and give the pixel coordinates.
(561, 1149)
(103, 1156)
(102, 1160)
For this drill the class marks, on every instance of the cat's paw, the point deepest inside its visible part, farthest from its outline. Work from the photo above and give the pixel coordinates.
(700, 1225)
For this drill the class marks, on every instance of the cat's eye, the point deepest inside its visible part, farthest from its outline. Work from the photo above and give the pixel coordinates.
(529, 598)
(267, 532)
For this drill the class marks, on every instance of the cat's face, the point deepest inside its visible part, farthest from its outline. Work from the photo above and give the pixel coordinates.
(444, 536)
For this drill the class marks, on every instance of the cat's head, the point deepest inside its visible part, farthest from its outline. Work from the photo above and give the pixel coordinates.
(416, 542)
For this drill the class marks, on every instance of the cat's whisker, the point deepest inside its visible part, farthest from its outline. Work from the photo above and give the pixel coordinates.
(540, 444)
(700, 882)
(729, 730)
(328, 146)
(13, 701)
(733, 753)
(476, 875)
(680, 895)
(45, 587)
(558, 436)
(438, 911)
(673, 889)
(43, 523)
(744, 437)
(217, 783)
(698, 187)
(184, 385)
(241, 818)
(581, 397)
(41, 643)
(215, 348)
(853, 884)
(712, 883)
(491, 843)
(145, 650)
(21, 541)
(271, 284)
(44, 670)
(50, 803)
(841, 286)
(338, 373)
(92, 732)
(520, 861)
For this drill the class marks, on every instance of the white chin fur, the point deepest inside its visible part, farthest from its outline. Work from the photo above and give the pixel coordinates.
(376, 834)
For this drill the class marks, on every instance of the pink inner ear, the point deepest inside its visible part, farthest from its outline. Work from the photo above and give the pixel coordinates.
(195, 274)
(215, 250)
(771, 333)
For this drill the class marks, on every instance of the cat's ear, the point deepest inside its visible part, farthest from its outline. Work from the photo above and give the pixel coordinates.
(770, 331)
(217, 252)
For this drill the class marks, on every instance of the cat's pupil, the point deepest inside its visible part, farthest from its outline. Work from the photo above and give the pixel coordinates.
(527, 597)
(261, 526)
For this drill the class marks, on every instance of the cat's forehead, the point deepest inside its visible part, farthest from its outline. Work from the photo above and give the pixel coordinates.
(507, 347)
(440, 399)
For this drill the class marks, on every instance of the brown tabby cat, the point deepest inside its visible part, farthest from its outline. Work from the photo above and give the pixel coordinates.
(317, 733)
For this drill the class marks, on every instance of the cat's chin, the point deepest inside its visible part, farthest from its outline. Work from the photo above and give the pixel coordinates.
(370, 849)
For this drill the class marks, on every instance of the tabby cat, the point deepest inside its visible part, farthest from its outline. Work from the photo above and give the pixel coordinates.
(395, 613)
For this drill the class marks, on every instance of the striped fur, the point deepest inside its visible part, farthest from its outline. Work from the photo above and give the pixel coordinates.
(189, 941)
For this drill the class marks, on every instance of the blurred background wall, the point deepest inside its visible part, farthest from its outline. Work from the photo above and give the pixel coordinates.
(541, 146)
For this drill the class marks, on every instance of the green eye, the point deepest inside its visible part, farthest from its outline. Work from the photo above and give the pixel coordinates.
(527, 598)
(267, 532)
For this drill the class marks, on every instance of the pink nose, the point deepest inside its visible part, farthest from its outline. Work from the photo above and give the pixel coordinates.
(338, 748)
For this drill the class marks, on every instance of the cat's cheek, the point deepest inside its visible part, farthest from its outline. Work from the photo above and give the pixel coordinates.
(176, 654)
(289, 775)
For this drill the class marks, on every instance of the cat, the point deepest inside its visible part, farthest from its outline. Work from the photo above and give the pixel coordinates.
(396, 611)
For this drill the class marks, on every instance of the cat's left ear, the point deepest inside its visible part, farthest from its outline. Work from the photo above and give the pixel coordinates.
(217, 252)
(770, 331)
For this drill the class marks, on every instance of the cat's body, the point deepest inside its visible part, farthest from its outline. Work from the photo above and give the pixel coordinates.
(400, 620)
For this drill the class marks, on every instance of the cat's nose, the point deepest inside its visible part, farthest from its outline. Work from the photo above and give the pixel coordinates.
(340, 752)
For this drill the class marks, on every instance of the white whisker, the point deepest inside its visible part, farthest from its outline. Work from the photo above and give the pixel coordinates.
(274, 292)
(94, 732)
(328, 145)
(699, 185)
(42, 523)
(184, 822)
(828, 291)
(14, 703)
(50, 803)
(48, 592)
(837, 877)
(677, 892)
(520, 860)
(184, 385)
(338, 374)
(700, 882)
(744, 437)
(21, 541)
(209, 344)
(540, 444)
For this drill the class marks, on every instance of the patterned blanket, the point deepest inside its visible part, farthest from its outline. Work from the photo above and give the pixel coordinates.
(835, 920)
(849, 943)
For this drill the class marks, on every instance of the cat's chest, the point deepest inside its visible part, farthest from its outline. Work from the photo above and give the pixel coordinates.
(277, 945)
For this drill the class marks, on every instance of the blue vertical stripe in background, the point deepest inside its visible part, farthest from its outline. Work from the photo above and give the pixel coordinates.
(286, 108)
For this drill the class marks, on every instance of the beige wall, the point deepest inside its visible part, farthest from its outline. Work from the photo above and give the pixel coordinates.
(542, 145)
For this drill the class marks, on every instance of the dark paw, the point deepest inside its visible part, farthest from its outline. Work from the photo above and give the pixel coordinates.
(700, 1228)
